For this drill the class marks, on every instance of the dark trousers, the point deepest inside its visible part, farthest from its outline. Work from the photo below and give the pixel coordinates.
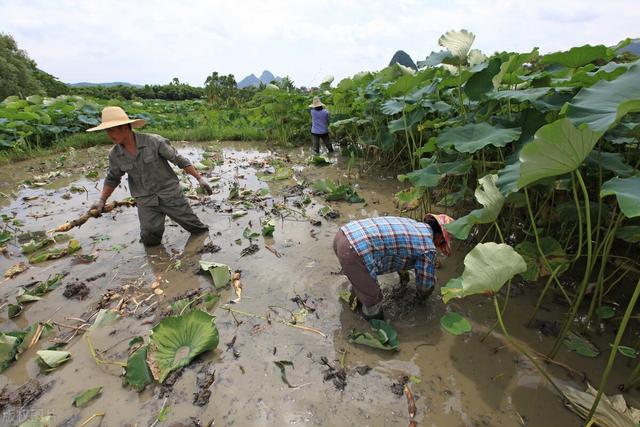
(325, 140)
(152, 219)
(364, 286)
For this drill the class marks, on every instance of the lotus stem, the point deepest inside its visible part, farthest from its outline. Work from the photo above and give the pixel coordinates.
(614, 350)
(99, 361)
(587, 272)
(88, 420)
(284, 322)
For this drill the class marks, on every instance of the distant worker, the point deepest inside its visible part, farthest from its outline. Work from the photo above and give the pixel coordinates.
(319, 125)
(145, 158)
(370, 247)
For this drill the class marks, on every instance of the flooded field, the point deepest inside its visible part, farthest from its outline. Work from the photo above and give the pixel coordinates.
(455, 380)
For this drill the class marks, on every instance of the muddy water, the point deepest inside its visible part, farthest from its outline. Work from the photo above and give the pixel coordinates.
(464, 382)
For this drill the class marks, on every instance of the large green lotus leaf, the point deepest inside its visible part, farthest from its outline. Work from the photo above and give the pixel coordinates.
(220, 273)
(486, 269)
(512, 65)
(475, 136)
(432, 172)
(488, 195)
(629, 233)
(175, 341)
(627, 191)
(435, 58)
(393, 106)
(481, 82)
(558, 148)
(524, 95)
(51, 359)
(137, 374)
(613, 162)
(579, 56)
(606, 102)
(588, 76)
(507, 181)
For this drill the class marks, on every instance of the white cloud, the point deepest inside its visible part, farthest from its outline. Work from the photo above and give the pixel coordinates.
(153, 41)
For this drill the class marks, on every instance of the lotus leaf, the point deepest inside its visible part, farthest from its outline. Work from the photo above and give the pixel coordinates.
(385, 338)
(249, 234)
(432, 172)
(26, 296)
(220, 273)
(455, 324)
(320, 161)
(488, 196)
(579, 56)
(481, 82)
(605, 103)
(629, 233)
(558, 148)
(457, 42)
(104, 317)
(43, 421)
(536, 266)
(8, 350)
(280, 174)
(73, 246)
(268, 227)
(629, 352)
(33, 246)
(175, 341)
(81, 400)
(137, 373)
(627, 191)
(51, 359)
(612, 411)
(605, 312)
(486, 269)
(580, 345)
(475, 136)
(613, 162)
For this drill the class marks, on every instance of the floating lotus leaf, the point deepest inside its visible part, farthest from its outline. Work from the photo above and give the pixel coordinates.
(558, 148)
(486, 269)
(627, 191)
(175, 341)
(487, 195)
(455, 324)
(580, 345)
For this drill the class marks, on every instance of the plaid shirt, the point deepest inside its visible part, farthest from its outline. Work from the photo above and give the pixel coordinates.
(389, 244)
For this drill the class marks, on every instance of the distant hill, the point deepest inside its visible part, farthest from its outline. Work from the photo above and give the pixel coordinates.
(633, 47)
(109, 84)
(401, 57)
(251, 80)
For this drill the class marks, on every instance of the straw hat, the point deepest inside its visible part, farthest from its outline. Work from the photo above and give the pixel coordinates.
(316, 102)
(443, 219)
(115, 116)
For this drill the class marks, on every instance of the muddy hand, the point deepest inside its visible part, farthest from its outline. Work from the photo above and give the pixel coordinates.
(205, 186)
(97, 207)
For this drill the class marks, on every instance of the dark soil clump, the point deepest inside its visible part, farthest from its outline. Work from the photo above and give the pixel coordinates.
(209, 248)
(204, 380)
(76, 290)
(23, 396)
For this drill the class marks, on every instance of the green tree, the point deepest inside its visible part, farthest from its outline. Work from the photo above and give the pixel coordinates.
(221, 89)
(16, 70)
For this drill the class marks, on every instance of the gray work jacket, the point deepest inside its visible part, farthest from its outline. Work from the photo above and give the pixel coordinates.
(149, 173)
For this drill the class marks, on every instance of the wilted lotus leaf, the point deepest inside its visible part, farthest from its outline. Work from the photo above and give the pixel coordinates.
(55, 253)
(83, 399)
(175, 341)
(455, 324)
(137, 374)
(220, 273)
(8, 350)
(612, 411)
(44, 421)
(486, 269)
(580, 345)
(553, 252)
(280, 174)
(268, 227)
(51, 359)
(385, 338)
(15, 270)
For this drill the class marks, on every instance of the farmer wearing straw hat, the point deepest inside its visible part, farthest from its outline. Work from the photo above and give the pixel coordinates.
(319, 125)
(145, 159)
(374, 246)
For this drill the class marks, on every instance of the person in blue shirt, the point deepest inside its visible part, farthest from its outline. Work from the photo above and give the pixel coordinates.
(319, 125)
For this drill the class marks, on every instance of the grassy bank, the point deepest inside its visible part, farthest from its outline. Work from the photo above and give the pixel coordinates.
(84, 140)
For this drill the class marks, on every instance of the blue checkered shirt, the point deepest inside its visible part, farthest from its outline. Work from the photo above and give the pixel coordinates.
(389, 244)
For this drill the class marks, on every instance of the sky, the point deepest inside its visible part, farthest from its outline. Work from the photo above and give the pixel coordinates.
(145, 41)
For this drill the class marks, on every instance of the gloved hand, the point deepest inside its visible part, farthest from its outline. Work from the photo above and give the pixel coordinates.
(205, 186)
(98, 205)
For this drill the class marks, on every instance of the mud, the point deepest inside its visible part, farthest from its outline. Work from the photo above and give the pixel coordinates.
(463, 381)
(76, 290)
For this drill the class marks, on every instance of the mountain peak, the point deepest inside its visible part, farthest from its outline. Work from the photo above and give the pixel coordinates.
(401, 57)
